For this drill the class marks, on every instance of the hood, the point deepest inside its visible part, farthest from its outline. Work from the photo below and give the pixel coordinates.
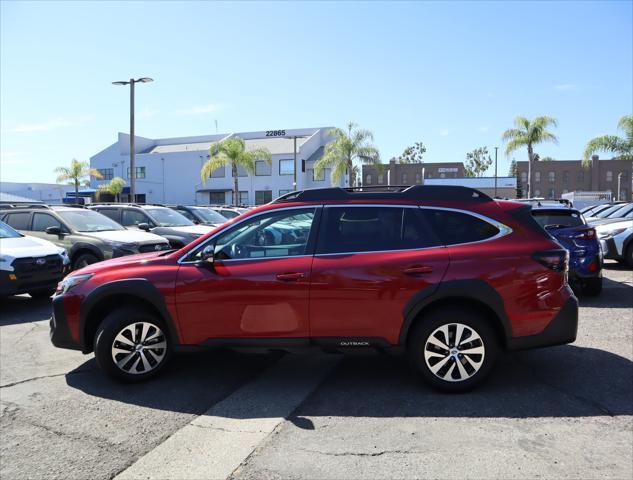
(28, 247)
(195, 229)
(126, 236)
(141, 259)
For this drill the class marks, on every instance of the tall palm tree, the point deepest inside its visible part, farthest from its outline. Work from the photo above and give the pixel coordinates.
(76, 174)
(621, 147)
(114, 188)
(527, 134)
(232, 151)
(349, 146)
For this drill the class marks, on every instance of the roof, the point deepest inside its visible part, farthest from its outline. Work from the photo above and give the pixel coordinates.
(275, 145)
(11, 198)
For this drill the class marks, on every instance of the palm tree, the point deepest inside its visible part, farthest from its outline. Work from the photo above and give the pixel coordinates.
(115, 187)
(76, 174)
(346, 148)
(232, 151)
(527, 134)
(622, 147)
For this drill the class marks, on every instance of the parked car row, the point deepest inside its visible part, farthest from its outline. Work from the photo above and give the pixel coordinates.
(614, 227)
(86, 236)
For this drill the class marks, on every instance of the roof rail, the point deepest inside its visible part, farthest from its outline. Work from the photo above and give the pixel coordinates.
(13, 206)
(391, 192)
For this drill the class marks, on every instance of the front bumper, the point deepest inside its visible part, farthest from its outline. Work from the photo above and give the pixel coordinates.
(612, 249)
(562, 329)
(60, 332)
(15, 283)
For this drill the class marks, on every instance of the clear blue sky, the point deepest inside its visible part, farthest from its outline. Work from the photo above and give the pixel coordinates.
(453, 75)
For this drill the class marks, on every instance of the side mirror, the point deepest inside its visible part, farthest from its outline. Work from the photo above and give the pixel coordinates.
(208, 254)
(144, 226)
(53, 230)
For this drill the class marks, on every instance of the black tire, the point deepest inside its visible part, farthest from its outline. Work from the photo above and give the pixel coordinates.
(84, 260)
(477, 332)
(116, 323)
(628, 255)
(42, 293)
(591, 286)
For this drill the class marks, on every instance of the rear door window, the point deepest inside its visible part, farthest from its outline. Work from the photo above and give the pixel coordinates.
(356, 229)
(19, 221)
(455, 227)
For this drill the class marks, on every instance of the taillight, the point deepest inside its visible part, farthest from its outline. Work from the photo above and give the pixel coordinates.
(557, 260)
(587, 234)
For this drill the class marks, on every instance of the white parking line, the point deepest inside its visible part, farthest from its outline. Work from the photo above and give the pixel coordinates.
(214, 444)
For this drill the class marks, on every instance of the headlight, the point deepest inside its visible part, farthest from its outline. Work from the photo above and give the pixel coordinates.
(611, 233)
(71, 282)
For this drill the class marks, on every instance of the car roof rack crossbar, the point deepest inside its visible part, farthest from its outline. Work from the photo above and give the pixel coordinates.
(386, 192)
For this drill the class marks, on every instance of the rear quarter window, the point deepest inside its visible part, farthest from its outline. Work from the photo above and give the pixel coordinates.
(19, 221)
(458, 227)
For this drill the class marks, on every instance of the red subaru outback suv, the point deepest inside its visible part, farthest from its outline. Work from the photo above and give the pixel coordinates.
(448, 273)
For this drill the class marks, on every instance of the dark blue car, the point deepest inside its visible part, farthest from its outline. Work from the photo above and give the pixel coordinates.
(569, 227)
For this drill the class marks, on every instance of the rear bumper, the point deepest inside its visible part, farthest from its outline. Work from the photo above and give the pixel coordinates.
(60, 332)
(562, 329)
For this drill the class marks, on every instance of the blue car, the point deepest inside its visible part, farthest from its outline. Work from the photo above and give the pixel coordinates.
(569, 227)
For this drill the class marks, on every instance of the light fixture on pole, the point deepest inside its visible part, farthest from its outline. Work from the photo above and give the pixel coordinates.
(131, 83)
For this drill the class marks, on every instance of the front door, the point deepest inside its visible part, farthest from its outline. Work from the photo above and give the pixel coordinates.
(257, 287)
(369, 262)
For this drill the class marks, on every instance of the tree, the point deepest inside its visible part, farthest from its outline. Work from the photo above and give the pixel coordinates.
(622, 147)
(514, 172)
(413, 154)
(537, 158)
(527, 134)
(477, 162)
(114, 188)
(232, 151)
(76, 174)
(353, 145)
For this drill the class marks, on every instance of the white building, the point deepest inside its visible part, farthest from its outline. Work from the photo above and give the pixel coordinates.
(168, 169)
(40, 192)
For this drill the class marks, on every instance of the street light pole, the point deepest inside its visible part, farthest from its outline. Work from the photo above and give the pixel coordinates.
(619, 185)
(131, 83)
(496, 149)
(295, 164)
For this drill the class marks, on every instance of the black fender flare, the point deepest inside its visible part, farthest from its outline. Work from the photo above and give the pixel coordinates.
(474, 289)
(86, 246)
(140, 288)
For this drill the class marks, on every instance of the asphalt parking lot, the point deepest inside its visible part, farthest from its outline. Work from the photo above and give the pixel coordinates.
(563, 412)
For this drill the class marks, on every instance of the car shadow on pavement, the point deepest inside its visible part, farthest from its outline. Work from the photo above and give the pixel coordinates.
(614, 295)
(565, 381)
(24, 309)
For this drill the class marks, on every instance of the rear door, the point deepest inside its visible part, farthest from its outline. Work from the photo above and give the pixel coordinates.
(369, 263)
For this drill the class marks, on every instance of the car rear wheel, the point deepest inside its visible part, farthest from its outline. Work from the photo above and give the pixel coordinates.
(453, 349)
(131, 345)
(84, 260)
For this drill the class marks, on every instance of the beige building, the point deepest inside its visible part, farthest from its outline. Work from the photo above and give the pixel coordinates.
(553, 178)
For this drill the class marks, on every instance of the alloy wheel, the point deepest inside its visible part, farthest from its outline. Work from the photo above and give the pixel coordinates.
(139, 348)
(454, 352)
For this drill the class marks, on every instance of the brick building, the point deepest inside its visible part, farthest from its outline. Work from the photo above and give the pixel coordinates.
(410, 173)
(552, 179)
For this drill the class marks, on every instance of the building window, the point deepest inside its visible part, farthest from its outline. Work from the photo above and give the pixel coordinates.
(381, 179)
(418, 178)
(283, 192)
(609, 176)
(218, 173)
(524, 177)
(551, 176)
(263, 196)
(106, 173)
(581, 176)
(217, 198)
(404, 178)
(551, 193)
(243, 198)
(139, 172)
(368, 180)
(537, 176)
(537, 193)
(565, 177)
(320, 177)
(442, 175)
(262, 168)
(286, 167)
(623, 175)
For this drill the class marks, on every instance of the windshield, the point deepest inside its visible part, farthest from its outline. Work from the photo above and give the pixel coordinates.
(88, 221)
(7, 232)
(166, 217)
(620, 211)
(608, 211)
(208, 215)
(558, 219)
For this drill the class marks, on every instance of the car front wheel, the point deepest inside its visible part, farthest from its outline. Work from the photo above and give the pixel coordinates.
(453, 349)
(131, 345)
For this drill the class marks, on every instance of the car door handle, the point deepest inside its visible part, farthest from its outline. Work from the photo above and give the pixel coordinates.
(418, 269)
(290, 277)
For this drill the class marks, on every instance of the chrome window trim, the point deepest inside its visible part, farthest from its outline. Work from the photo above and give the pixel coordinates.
(182, 261)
